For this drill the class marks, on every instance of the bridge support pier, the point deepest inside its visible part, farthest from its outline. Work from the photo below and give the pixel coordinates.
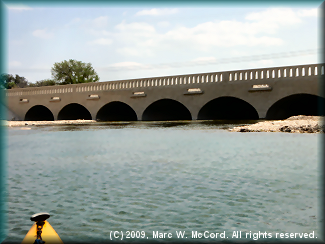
(93, 115)
(261, 113)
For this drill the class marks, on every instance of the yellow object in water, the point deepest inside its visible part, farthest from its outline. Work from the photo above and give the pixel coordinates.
(49, 235)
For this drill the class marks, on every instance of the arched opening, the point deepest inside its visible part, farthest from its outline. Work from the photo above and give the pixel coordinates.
(39, 113)
(116, 111)
(227, 108)
(298, 104)
(74, 111)
(166, 109)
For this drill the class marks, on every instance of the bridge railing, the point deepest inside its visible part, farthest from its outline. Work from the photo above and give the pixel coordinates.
(178, 80)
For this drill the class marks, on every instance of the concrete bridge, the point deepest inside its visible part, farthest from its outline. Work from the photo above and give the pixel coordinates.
(271, 93)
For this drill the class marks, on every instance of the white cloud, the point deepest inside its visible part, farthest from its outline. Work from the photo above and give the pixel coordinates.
(157, 12)
(17, 42)
(133, 51)
(125, 65)
(262, 63)
(135, 38)
(44, 34)
(251, 61)
(18, 8)
(204, 59)
(96, 27)
(99, 33)
(135, 27)
(273, 19)
(73, 22)
(283, 16)
(163, 24)
(14, 64)
(314, 12)
(100, 22)
(222, 34)
(40, 67)
(101, 41)
(237, 53)
(258, 29)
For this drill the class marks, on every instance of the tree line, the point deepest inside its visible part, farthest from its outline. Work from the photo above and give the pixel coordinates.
(63, 73)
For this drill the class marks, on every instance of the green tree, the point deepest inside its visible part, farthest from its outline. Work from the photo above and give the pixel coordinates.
(73, 72)
(9, 81)
(21, 82)
(46, 82)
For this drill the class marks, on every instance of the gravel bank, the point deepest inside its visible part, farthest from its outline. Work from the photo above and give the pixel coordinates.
(294, 124)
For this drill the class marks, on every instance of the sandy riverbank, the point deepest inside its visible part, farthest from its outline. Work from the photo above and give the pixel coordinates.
(294, 124)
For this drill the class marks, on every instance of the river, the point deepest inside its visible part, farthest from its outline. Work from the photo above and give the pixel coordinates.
(163, 177)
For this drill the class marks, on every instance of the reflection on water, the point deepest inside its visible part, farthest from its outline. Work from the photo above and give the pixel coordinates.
(186, 124)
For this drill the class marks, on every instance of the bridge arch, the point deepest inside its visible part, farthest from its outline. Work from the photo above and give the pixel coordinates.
(39, 113)
(296, 104)
(74, 111)
(227, 107)
(166, 109)
(116, 111)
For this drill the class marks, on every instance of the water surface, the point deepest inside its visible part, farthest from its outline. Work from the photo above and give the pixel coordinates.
(161, 176)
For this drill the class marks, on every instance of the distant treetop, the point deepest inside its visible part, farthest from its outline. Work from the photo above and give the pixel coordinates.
(9, 81)
(73, 72)
(65, 72)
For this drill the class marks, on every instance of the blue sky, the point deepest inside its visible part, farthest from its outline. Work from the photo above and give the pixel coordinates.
(142, 40)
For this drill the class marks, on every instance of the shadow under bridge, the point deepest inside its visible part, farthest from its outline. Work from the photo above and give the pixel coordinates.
(166, 109)
(116, 111)
(227, 108)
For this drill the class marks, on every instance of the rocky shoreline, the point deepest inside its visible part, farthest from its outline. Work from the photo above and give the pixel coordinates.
(294, 124)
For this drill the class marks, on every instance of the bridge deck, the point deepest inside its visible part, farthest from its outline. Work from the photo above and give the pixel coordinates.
(194, 96)
(264, 74)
